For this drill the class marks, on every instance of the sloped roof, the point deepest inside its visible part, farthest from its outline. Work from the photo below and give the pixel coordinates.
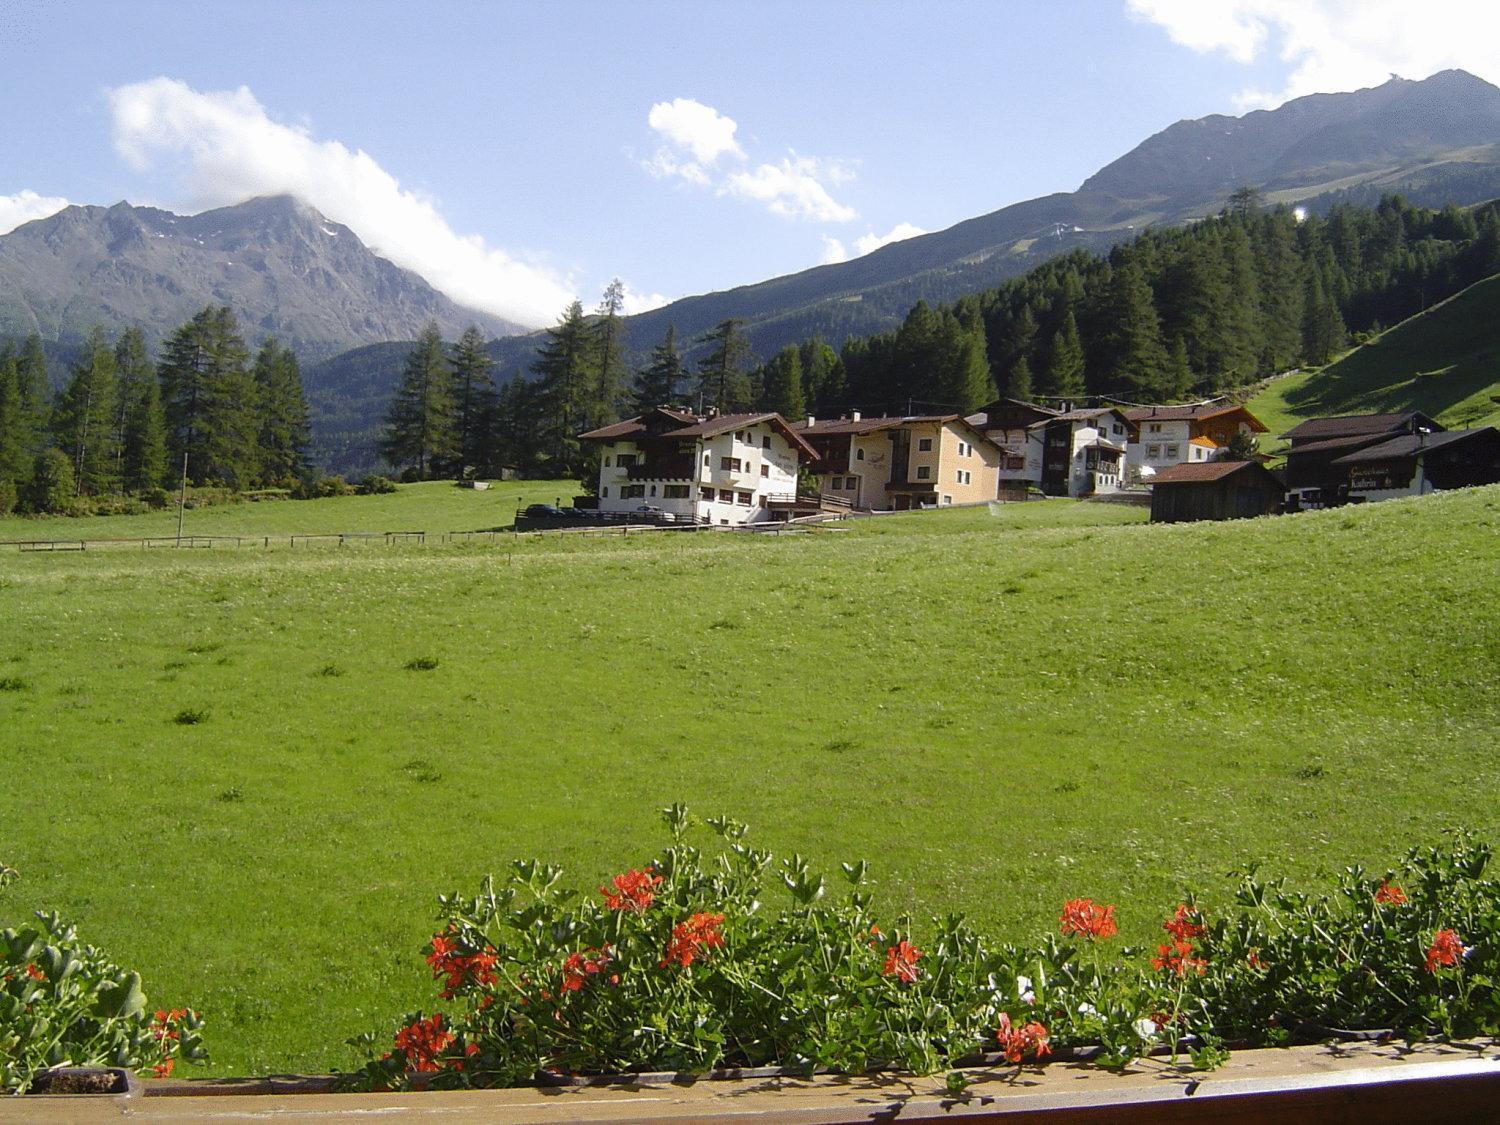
(634, 427)
(695, 427)
(1409, 445)
(1200, 471)
(1350, 425)
(1194, 413)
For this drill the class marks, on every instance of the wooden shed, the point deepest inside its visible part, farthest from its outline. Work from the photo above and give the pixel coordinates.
(1214, 490)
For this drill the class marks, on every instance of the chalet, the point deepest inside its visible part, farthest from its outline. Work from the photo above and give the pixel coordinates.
(900, 463)
(1083, 451)
(1184, 435)
(1312, 478)
(1418, 463)
(1008, 423)
(717, 469)
(1214, 490)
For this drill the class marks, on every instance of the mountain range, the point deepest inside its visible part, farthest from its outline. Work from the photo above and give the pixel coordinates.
(288, 270)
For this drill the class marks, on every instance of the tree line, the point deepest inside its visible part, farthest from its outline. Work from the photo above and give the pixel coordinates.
(122, 425)
(1173, 313)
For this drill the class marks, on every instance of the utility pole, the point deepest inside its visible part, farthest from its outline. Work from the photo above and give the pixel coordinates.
(182, 498)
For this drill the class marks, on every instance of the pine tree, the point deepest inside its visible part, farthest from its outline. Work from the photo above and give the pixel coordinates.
(661, 380)
(474, 394)
(1322, 326)
(1177, 378)
(284, 429)
(231, 405)
(419, 433)
(781, 390)
(143, 464)
(1018, 385)
(85, 419)
(1064, 374)
(1243, 324)
(1281, 293)
(566, 370)
(964, 376)
(133, 371)
(1132, 350)
(722, 382)
(919, 345)
(822, 376)
(52, 486)
(15, 431)
(609, 378)
(35, 391)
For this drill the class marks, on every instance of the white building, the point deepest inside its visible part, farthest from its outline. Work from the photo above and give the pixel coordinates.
(1083, 451)
(718, 470)
(1011, 423)
(1185, 435)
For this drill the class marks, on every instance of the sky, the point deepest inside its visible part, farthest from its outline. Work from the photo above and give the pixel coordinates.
(520, 155)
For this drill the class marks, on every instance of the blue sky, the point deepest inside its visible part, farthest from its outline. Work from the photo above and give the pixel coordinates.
(511, 152)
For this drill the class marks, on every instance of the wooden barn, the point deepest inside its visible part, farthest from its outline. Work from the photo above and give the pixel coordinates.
(1214, 490)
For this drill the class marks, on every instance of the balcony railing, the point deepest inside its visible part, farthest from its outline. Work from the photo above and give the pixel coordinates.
(673, 468)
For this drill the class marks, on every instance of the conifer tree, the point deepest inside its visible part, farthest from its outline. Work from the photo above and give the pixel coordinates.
(143, 464)
(566, 370)
(419, 433)
(284, 429)
(1018, 385)
(474, 394)
(609, 379)
(15, 432)
(1064, 378)
(1177, 379)
(52, 487)
(661, 380)
(133, 371)
(35, 391)
(964, 373)
(1281, 293)
(1243, 325)
(1322, 326)
(231, 406)
(85, 418)
(1132, 350)
(722, 382)
(822, 376)
(781, 390)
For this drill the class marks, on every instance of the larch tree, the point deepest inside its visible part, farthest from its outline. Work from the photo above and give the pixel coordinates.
(609, 379)
(781, 386)
(722, 382)
(566, 368)
(661, 380)
(285, 432)
(474, 399)
(84, 422)
(419, 428)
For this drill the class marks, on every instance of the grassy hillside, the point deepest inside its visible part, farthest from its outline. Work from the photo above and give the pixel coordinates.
(1444, 362)
(996, 712)
(430, 506)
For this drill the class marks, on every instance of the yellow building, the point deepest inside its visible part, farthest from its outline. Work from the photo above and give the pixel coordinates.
(899, 463)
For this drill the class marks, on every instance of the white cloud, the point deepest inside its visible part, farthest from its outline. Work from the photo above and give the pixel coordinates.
(24, 206)
(833, 251)
(698, 137)
(1335, 44)
(793, 188)
(873, 241)
(643, 302)
(234, 150)
(699, 128)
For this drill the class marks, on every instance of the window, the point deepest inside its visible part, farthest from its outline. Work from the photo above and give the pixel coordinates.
(653, 490)
(1153, 451)
(765, 441)
(604, 492)
(947, 499)
(706, 461)
(706, 494)
(924, 445)
(606, 460)
(674, 492)
(859, 454)
(744, 498)
(633, 492)
(959, 476)
(1119, 429)
(836, 484)
(765, 470)
(1173, 451)
(726, 496)
(625, 460)
(924, 472)
(729, 464)
(1156, 427)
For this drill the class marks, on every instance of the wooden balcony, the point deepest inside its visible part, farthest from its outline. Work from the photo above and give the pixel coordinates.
(666, 468)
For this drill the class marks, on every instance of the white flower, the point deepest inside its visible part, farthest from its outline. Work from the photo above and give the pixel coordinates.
(1145, 1027)
(1087, 1009)
(1024, 991)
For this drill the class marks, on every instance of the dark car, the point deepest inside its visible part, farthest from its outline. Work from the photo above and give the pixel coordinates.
(540, 511)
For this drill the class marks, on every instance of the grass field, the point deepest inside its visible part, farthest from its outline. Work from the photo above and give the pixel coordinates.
(1444, 362)
(433, 506)
(997, 711)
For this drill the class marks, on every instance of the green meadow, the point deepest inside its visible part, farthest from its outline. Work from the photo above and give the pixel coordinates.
(249, 773)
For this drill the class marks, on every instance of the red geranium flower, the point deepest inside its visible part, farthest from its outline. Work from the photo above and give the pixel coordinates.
(1083, 917)
(580, 966)
(164, 1068)
(33, 972)
(1388, 893)
(423, 1042)
(1184, 924)
(1017, 1042)
(461, 969)
(1178, 958)
(1253, 958)
(1445, 949)
(633, 891)
(901, 961)
(693, 938)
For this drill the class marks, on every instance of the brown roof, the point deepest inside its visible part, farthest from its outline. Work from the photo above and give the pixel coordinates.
(1409, 445)
(1195, 413)
(866, 425)
(695, 427)
(1349, 425)
(1189, 473)
(1323, 445)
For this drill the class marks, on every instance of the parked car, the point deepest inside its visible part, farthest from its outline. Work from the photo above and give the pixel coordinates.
(543, 511)
(658, 513)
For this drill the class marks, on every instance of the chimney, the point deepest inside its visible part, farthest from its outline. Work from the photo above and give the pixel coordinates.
(811, 421)
(855, 415)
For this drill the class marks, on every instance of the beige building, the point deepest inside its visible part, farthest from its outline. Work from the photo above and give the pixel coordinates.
(899, 463)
